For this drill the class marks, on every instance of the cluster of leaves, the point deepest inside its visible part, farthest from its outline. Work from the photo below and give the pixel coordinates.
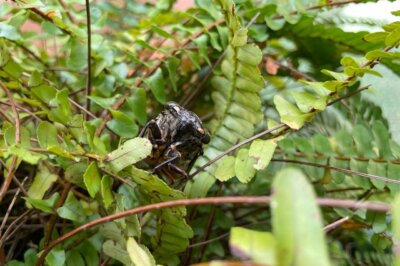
(68, 132)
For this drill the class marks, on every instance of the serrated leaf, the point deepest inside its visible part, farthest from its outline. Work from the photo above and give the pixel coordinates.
(296, 221)
(128, 153)
(262, 151)
(92, 179)
(225, 168)
(47, 134)
(157, 86)
(244, 166)
(139, 254)
(290, 114)
(106, 192)
(258, 246)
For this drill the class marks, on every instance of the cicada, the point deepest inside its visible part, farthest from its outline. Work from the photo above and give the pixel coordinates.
(178, 136)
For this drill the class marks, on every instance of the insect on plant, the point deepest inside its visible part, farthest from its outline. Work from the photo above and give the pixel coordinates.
(177, 136)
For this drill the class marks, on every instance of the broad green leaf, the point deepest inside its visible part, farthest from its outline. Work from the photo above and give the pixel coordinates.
(25, 154)
(290, 114)
(128, 153)
(74, 258)
(44, 92)
(172, 66)
(307, 102)
(60, 109)
(240, 37)
(139, 254)
(92, 179)
(9, 136)
(381, 136)
(78, 54)
(377, 168)
(45, 205)
(244, 166)
(360, 166)
(61, 152)
(250, 54)
(137, 103)
(321, 144)
(296, 221)
(396, 228)
(72, 209)
(262, 151)
(225, 168)
(9, 32)
(47, 134)
(157, 86)
(116, 251)
(258, 246)
(162, 32)
(56, 257)
(41, 182)
(122, 125)
(376, 54)
(103, 102)
(36, 79)
(393, 173)
(336, 75)
(375, 37)
(363, 140)
(106, 192)
(393, 38)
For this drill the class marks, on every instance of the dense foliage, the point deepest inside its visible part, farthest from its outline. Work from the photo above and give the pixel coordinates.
(279, 84)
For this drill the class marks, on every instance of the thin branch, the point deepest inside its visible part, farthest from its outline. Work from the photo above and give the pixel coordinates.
(325, 202)
(336, 224)
(106, 115)
(89, 59)
(342, 170)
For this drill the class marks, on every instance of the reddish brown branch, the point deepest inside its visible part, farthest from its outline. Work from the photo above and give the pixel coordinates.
(326, 202)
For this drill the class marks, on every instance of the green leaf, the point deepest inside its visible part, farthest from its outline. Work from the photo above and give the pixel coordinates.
(47, 134)
(72, 209)
(336, 75)
(9, 32)
(78, 54)
(250, 54)
(296, 221)
(41, 183)
(172, 67)
(376, 54)
(61, 152)
(116, 251)
(258, 246)
(25, 155)
(262, 151)
(162, 32)
(74, 258)
(244, 166)
(225, 168)
(56, 257)
(9, 136)
(240, 37)
(44, 92)
(393, 38)
(122, 124)
(157, 86)
(45, 205)
(128, 153)
(92, 179)
(290, 114)
(137, 103)
(106, 192)
(61, 110)
(376, 37)
(307, 102)
(382, 137)
(377, 168)
(35, 79)
(396, 228)
(139, 254)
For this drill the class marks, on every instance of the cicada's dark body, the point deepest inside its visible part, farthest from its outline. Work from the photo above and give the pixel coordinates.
(177, 136)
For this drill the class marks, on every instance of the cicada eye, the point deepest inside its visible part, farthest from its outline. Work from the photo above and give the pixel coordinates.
(206, 137)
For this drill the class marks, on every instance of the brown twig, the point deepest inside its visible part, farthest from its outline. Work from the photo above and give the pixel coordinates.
(336, 224)
(325, 202)
(342, 170)
(89, 59)
(106, 116)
